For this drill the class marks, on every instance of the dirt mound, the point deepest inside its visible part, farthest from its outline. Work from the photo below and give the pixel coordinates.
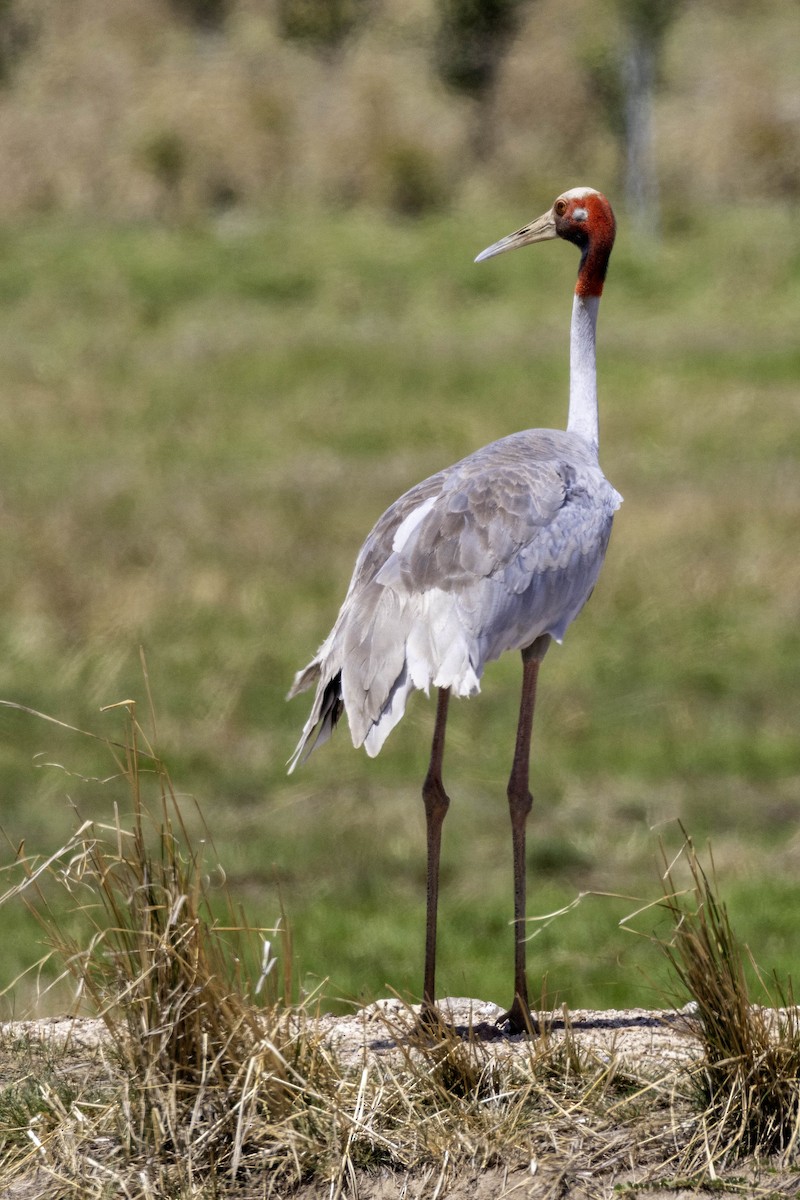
(628, 1140)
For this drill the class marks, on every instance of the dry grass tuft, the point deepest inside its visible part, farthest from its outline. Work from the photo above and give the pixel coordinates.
(207, 1057)
(749, 1082)
(466, 1104)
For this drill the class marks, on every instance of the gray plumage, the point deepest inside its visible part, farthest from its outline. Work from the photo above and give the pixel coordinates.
(481, 558)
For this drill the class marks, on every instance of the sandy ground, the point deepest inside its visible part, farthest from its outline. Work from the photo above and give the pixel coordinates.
(659, 1041)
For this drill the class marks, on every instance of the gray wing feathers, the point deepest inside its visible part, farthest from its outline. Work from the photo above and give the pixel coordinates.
(482, 558)
(478, 523)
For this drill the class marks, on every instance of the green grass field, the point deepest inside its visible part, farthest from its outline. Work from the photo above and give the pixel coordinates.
(197, 429)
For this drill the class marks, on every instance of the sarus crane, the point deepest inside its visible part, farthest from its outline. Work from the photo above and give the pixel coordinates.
(499, 552)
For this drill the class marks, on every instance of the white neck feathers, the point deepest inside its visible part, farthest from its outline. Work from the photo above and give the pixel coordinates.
(583, 369)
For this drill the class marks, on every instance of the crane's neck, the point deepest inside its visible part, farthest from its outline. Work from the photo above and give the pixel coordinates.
(583, 368)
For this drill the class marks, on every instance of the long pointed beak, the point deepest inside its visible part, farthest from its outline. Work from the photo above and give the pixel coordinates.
(541, 230)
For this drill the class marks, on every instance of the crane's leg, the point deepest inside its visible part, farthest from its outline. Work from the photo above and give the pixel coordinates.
(437, 803)
(520, 801)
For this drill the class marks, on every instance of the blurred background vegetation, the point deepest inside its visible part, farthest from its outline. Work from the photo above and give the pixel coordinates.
(240, 315)
(148, 109)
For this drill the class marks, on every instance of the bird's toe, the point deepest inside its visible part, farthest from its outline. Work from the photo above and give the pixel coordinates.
(518, 1019)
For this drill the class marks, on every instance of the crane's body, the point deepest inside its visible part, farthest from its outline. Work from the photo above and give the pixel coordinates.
(483, 557)
(498, 552)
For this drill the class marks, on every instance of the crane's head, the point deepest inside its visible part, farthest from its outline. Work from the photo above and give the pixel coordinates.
(582, 216)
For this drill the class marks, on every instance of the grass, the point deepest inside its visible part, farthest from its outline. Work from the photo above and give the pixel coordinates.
(201, 1046)
(199, 426)
(748, 1081)
(209, 1083)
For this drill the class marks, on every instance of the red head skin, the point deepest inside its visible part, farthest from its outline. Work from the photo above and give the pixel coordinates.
(581, 215)
(584, 217)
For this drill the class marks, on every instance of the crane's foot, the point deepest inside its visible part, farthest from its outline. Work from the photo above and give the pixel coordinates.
(431, 1024)
(434, 1030)
(518, 1019)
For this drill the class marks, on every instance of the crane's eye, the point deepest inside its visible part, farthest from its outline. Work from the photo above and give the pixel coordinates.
(561, 207)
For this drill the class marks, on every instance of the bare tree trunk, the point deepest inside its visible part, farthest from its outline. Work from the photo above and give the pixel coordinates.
(641, 181)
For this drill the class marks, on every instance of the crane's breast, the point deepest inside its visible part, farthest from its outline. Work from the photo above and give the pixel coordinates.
(545, 584)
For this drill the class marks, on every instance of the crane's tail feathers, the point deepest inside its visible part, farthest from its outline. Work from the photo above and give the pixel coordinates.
(378, 730)
(304, 679)
(328, 707)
